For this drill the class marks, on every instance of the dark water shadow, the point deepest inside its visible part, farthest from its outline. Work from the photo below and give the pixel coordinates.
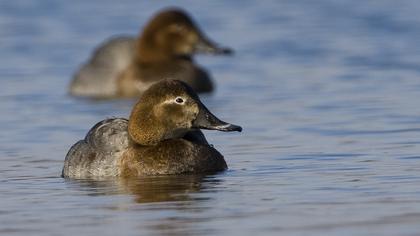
(149, 189)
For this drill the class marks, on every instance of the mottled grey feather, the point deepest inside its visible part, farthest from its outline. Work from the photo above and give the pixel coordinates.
(98, 77)
(98, 154)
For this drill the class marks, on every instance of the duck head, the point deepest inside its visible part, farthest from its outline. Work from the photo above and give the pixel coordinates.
(168, 110)
(172, 33)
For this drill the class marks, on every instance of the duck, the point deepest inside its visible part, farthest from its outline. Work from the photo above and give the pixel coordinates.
(125, 66)
(161, 137)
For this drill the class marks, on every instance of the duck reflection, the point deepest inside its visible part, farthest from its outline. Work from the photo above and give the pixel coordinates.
(149, 189)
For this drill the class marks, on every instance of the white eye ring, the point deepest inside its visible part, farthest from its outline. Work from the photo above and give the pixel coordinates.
(179, 100)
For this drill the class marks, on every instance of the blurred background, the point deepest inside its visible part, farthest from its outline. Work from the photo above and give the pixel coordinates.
(327, 92)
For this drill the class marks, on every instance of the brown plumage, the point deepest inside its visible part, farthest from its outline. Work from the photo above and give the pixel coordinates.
(162, 136)
(126, 66)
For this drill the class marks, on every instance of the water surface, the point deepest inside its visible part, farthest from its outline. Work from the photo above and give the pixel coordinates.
(327, 93)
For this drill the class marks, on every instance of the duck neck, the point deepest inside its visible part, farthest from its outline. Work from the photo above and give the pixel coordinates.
(148, 51)
(142, 128)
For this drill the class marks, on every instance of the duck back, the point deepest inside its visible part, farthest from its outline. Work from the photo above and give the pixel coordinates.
(98, 77)
(97, 155)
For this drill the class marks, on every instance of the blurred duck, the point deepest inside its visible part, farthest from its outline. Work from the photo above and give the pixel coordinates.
(162, 136)
(126, 66)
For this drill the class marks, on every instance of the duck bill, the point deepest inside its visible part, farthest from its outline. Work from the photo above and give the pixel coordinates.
(204, 45)
(206, 120)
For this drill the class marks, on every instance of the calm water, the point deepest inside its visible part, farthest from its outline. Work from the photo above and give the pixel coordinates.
(327, 92)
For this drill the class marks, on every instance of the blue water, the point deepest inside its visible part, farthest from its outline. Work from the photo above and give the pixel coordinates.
(327, 92)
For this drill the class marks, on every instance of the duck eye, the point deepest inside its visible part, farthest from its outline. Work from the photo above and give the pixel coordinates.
(179, 100)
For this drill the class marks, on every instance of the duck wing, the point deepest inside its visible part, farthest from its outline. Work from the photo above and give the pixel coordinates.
(109, 135)
(98, 153)
(98, 77)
